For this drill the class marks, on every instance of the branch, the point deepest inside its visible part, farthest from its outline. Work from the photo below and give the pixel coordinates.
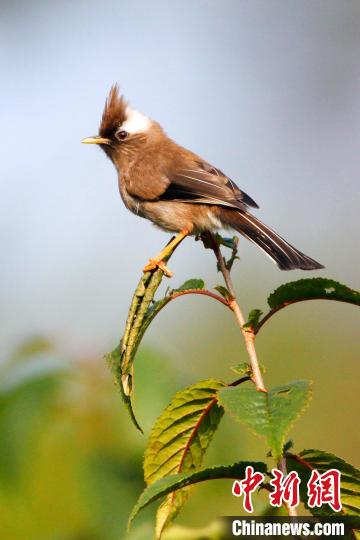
(240, 381)
(282, 466)
(204, 292)
(290, 303)
(248, 334)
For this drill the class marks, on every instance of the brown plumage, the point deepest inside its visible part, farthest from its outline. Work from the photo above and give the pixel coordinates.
(176, 189)
(114, 113)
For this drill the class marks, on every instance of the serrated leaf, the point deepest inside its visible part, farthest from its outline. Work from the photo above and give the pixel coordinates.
(224, 292)
(191, 284)
(121, 359)
(322, 461)
(268, 414)
(253, 318)
(142, 311)
(314, 288)
(168, 484)
(113, 360)
(179, 440)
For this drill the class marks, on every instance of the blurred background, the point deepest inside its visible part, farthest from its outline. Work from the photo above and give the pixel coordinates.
(266, 90)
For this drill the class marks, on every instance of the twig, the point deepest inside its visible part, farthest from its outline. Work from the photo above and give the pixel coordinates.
(249, 338)
(203, 292)
(282, 466)
(274, 310)
(248, 334)
(240, 381)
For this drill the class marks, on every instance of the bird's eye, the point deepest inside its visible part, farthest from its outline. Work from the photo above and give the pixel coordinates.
(121, 135)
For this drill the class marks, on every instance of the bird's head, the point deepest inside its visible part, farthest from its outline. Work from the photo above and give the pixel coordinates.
(123, 131)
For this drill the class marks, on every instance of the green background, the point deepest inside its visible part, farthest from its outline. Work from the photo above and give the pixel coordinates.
(264, 89)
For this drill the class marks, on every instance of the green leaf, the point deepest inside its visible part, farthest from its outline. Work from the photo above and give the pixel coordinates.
(315, 288)
(244, 368)
(141, 312)
(168, 484)
(179, 440)
(268, 414)
(287, 446)
(231, 243)
(307, 289)
(113, 360)
(322, 461)
(191, 284)
(121, 359)
(253, 319)
(224, 292)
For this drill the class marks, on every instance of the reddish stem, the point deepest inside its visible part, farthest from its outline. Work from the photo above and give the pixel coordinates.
(248, 335)
(201, 292)
(282, 306)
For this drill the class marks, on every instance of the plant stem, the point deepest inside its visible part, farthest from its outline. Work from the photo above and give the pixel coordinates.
(203, 292)
(249, 336)
(282, 467)
(290, 303)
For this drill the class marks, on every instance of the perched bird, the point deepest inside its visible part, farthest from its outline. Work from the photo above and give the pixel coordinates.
(178, 190)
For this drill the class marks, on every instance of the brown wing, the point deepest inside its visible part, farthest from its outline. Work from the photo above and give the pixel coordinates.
(191, 180)
(205, 184)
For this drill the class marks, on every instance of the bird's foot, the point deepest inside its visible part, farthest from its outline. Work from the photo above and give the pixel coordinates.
(158, 263)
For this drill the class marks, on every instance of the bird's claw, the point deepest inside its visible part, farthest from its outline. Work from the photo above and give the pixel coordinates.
(156, 263)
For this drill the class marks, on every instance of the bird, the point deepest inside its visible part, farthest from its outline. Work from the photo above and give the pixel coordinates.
(179, 191)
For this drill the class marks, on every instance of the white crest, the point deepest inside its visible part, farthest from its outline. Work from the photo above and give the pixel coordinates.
(135, 122)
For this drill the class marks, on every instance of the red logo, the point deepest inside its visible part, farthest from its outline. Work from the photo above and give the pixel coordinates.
(321, 488)
(247, 486)
(324, 489)
(286, 489)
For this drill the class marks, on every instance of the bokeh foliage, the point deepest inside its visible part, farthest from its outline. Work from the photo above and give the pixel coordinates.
(68, 464)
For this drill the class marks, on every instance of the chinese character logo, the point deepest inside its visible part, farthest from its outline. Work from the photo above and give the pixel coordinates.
(321, 489)
(324, 489)
(247, 486)
(286, 489)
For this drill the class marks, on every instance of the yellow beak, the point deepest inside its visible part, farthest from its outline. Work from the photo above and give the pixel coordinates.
(96, 140)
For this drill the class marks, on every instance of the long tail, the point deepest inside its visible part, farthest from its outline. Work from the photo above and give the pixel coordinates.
(284, 254)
